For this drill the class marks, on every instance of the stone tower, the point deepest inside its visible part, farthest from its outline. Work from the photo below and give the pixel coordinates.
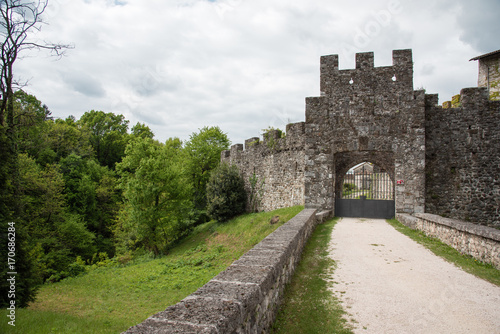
(366, 114)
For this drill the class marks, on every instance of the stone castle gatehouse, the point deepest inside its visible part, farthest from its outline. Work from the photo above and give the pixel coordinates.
(441, 161)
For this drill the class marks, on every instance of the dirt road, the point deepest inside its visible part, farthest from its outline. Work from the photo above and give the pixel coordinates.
(390, 284)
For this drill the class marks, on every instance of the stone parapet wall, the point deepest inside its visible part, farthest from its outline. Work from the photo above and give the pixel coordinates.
(278, 165)
(245, 297)
(480, 242)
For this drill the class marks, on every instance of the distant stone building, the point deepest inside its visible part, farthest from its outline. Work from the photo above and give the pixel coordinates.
(489, 73)
(362, 168)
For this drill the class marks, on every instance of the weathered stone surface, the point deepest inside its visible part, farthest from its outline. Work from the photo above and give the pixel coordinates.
(463, 158)
(489, 73)
(480, 242)
(155, 326)
(366, 114)
(278, 165)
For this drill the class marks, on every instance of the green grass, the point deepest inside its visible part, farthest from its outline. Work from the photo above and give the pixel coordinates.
(466, 262)
(308, 307)
(111, 299)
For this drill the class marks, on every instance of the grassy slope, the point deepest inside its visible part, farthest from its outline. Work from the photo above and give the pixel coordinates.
(111, 299)
(308, 307)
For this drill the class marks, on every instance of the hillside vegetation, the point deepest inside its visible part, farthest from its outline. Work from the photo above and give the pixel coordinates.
(81, 191)
(113, 295)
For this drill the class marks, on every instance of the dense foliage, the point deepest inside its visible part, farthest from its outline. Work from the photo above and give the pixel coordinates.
(226, 193)
(157, 195)
(80, 191)
(203, 150)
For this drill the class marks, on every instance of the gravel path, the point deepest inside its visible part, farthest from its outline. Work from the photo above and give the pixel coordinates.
(388, 283)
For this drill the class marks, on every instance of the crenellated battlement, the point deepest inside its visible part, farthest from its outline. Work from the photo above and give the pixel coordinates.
(366, 78)
(468, 98)
(271, 142)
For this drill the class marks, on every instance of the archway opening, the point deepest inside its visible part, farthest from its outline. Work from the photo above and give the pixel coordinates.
(364, 185)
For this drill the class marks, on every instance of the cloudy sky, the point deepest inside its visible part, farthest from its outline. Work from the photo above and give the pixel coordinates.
(244, 65)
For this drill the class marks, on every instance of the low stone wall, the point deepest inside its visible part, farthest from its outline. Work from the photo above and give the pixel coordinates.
(481, 242)
(245, 297)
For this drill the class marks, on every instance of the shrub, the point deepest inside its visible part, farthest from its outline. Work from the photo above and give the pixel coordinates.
(77, 267)
(349, 186)
(226, 194)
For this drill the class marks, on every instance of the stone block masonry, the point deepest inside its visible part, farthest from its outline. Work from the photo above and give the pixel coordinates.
(463, 158)
(366, 114)
(489, 73)
(245, 297)
(480, 242)
(278, 165)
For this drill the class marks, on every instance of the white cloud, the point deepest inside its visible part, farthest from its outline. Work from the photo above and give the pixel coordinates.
(179, 65)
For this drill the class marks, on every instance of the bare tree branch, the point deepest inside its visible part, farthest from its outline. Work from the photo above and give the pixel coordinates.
(19, 19)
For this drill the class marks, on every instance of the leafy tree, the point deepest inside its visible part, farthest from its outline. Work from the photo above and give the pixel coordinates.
(142, 130)
(19, 21)
(203, 155)
(91, 194)
(226, 193)
(157, 195)
(27, 284)
(56, 236)
(64, 138)
(43, 138)
(29, 116)
(108, 135)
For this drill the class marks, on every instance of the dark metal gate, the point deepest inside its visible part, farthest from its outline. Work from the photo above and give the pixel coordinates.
(366, 193)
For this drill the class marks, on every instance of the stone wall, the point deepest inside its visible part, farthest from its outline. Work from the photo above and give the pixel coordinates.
(245, 297)
(480, 242)
(463, 158)
(366, 114)
(277, 163)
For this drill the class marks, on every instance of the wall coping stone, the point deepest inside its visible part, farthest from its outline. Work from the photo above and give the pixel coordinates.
(407, 219)
(472, 228)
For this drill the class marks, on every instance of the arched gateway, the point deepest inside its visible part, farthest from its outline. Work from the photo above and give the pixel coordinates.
(367, 114)
(366, 190)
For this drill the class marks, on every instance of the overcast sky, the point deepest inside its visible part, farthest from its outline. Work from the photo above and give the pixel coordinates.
(244, 65)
